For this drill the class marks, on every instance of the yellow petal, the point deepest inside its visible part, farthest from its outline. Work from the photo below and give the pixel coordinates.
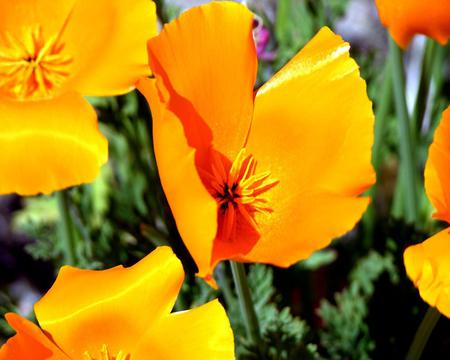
(17, 14)
(194, 209)
(437, 174)
(319, 148)
(207, 58)
(29, 342)
(86, 309)
(108, 42)
(49, 145)
(428, 266)
(198, 334)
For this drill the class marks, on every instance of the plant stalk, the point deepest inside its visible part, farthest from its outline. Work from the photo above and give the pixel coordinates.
(423, 333)
(67, 228)
(245, 302)
(407, 150)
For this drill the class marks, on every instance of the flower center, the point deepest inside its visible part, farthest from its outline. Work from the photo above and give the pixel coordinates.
(105, 355)
(32, 66)
(239, 192)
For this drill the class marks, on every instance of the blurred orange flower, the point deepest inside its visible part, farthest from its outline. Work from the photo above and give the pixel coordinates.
(267, 178)
(121, 314)
(52, 53)
(406, 18)
(428, 263)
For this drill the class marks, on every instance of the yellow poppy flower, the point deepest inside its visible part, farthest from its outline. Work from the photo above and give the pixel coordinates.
(406, 18)
(267, 178)
(428, 264)
(121, 314)
(51, 54)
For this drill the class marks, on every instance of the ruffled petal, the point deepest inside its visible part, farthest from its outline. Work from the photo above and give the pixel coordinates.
(319, 148)
(198, 334)
(194, 209)
(29, 342)
(437, 176)
(428, 266)
(406, 18)
(108, 42)
(87, 309)
(49, 145)
(205, 64)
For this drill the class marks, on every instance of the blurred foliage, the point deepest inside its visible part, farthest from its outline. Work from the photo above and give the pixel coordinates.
(346, 332)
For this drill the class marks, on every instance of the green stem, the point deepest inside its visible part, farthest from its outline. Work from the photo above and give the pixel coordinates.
(424, 85)
(384, 105)
(67, 229)
(245, 302)
(407, 151)
(423, 333)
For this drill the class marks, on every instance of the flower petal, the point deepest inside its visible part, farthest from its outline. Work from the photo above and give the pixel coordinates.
(86, 309)
(50, 14)
(405, 18)
(29, 342)
(319, 150)
(107, 39)
(49, 145)
(437, 176)
(206, 60)
(198, 334)
(194, 209)
(428, 266)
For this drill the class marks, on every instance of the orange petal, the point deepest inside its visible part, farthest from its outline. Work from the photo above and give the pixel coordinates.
(86, 309)
(17, 14)
(428, 266)
(29, 342)
(194, 209)
(406, 18)
(319, 149)
(205, 63)
(107, 40)
(49, 145)
(437, 176)
(198, 334)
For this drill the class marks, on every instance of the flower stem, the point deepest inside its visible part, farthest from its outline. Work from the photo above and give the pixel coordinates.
(67, 229)
(384, 104)
(407, 151)
(423, 333)
(245, 302)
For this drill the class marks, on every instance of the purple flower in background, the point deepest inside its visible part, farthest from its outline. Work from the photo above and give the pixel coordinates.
(262, 38)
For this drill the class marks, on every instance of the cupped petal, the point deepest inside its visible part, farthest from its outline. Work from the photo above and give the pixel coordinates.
(29, 342)
(428, 266)
(205, 62)
(107, 40)
(49, 145)
(16, 15)
(194, 209)
(198, 334)
(313, 132)
(406, 18)
(437, 174)
(87, 309)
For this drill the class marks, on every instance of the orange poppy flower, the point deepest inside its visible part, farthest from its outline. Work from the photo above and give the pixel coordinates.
(406, 18)
(267, 178)
(428, 263)
(52, 53)
(121, 314)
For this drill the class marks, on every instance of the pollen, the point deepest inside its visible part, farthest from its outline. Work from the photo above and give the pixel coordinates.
(105, 355)
(239, 192)
(32, 66)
